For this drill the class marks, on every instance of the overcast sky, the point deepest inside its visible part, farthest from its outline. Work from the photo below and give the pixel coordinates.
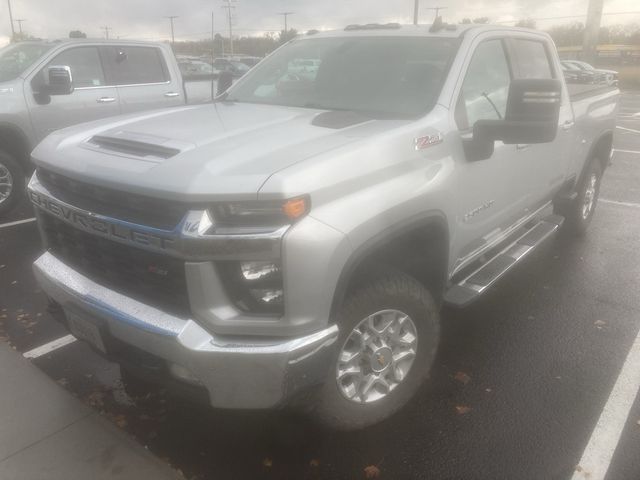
(144, 18)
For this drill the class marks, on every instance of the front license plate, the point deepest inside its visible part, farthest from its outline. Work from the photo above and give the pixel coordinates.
(84, 329)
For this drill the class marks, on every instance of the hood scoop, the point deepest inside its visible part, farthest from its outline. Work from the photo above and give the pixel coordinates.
(143, 146)
(338, 119)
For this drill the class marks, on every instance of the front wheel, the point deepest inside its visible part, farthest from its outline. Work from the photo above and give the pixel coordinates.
(11, 182)
(389, 334)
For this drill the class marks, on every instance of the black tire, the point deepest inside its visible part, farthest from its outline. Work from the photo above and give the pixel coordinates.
(576, 221)
(394, 290)
(9, 165)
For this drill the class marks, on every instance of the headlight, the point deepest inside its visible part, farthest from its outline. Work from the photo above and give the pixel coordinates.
(255, 286)
(260, 213)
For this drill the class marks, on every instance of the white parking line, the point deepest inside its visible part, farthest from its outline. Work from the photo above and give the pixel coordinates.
(17, 222)
(615, 202)
(606, 435)
(50, 347)
(637, 152)
(627, 129)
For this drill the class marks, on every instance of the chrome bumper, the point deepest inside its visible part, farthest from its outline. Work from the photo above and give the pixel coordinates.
(237, 372)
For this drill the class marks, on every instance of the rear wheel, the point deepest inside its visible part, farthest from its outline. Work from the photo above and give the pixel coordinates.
(11, 182)
(579, 213)
(389, 333)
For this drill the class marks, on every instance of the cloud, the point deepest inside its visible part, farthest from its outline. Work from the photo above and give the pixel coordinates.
(138, 19)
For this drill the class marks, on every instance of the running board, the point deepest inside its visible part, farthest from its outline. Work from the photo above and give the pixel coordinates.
(475, 284)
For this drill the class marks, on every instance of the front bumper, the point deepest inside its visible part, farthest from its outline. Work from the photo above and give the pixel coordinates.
(237, 372)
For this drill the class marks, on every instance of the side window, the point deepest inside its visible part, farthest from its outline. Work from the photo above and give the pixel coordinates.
(531, 59)
(486, 86)
(129, 65)
(86, 69)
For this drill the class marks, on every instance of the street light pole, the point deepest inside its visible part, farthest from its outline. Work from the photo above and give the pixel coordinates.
(13, 30)
(591, 30)
(416, 8)
(285, 15)
(229, 6)
(20, 20)
(437, 9)
(173, 38)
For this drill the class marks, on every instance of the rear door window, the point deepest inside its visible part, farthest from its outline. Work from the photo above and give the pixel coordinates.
(132, 65)
(531, 59)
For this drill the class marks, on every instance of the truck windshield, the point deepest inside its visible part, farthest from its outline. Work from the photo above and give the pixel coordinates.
(388, 76)
(15, 59)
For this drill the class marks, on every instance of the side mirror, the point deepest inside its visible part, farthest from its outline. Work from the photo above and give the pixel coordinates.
(533, 111)
(224, 81)
(60, 80)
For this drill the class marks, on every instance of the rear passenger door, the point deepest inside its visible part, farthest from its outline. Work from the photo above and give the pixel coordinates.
(142, 77)
(546, 163)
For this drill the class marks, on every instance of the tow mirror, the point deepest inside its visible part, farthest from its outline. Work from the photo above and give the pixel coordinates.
(532, 114)
(60, 80)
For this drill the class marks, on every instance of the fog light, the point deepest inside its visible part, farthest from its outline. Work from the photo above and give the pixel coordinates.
(183, 373)
(268, 296)
(258, 270)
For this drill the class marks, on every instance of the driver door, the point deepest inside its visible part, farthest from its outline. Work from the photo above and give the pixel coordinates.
(92, 98)
(492, 193)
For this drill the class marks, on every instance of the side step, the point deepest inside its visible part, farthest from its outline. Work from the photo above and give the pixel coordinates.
(472, 287)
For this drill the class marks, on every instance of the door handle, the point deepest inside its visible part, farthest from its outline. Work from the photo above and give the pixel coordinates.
(106, 100)
(171, 94)
(521, 147)
(568, 124)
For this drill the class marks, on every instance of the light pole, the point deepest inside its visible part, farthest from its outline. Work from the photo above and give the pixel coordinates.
(13, 30)
(591, 30)
(285, 15)
(20, 20)
(106, 31)
(437, 9)
(171, 17)
(228, 6)
(416, 8)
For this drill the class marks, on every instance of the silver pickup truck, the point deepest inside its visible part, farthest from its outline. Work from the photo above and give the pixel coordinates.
(291, 244)
(45, 86)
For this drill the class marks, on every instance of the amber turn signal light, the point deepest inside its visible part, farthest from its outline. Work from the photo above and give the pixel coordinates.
(295, 208)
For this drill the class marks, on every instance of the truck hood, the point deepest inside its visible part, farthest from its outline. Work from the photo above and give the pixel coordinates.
(207, 152)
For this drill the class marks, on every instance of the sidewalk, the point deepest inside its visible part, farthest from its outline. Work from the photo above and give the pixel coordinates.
(46, 434)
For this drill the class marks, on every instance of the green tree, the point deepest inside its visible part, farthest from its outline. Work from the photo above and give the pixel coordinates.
(77, 34)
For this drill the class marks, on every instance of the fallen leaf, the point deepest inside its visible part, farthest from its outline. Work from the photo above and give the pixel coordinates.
(14, 282)
(531, 317)
(120, 421)
(488, 390)
(599, 323)
(63, 381)
(638, 422)
(462, 409)
(267, 462)
(371, 471)
(462, 378)
(314, 463)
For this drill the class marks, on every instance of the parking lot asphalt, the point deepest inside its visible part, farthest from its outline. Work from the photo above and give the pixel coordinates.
(520, 382)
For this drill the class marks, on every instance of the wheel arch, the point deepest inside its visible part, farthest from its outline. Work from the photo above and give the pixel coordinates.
(600, 149)
(14, 141)
(418, 246)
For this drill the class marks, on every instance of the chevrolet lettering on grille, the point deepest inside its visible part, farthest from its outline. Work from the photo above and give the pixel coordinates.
(98, 225)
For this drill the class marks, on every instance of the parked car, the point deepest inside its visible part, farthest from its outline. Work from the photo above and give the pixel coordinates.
(237, 69)
(293, 247)
(45, 86)
(610, 77)
(196, 68)
(573, 74)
